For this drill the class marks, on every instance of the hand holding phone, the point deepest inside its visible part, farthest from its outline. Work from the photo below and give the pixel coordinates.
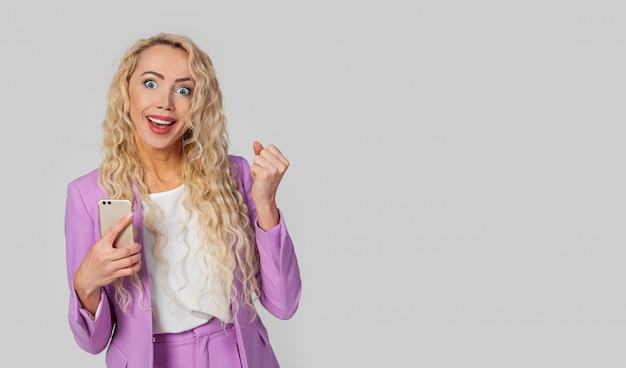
(111, 211)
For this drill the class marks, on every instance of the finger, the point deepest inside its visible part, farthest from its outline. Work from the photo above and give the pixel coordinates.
(278, 154)
(257, 147)
(271, 155)
(127, 266)
(270, 162)
(261, 160)
(128, 261)
(117, 228)
(126, 252)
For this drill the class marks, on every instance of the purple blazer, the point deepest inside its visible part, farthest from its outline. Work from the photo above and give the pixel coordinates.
(129, 335)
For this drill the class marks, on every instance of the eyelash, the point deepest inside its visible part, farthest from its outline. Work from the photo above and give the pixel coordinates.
(184, 94)
(145, 83)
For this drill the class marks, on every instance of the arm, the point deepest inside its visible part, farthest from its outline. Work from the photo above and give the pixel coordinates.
(279, 276)
(279, 271)
(90, 335)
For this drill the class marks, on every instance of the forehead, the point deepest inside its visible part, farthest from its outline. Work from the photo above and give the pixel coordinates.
(164, 59)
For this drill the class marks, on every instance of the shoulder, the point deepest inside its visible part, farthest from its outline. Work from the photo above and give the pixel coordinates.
(86, 180)
(238, 161)
(240, 170)
(86, 185)
(241, 166)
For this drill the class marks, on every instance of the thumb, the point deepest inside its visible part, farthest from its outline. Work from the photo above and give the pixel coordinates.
(116, 229)
(257, 147)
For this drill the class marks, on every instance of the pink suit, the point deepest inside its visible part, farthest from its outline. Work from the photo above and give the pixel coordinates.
(129, 335)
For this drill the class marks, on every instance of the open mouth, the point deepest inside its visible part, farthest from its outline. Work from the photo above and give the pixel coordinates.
(160, 123)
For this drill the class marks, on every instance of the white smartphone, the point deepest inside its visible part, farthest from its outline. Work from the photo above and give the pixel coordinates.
(111, 211)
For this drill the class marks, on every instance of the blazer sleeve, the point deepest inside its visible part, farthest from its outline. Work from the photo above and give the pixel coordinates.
(90, 335)
(279, 274)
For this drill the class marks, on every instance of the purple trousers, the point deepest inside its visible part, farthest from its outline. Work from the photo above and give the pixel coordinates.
(212, 345)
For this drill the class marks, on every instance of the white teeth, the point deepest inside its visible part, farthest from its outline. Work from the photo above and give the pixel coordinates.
(160, 122)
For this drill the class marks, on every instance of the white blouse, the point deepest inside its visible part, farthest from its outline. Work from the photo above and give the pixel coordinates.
(181, 305)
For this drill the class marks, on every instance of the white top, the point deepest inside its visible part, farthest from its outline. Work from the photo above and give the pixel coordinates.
(187, 273)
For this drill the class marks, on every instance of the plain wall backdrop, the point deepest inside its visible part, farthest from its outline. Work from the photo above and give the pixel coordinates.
(456, 190)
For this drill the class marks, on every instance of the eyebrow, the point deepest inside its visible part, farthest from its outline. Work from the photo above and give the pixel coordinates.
(163, 78)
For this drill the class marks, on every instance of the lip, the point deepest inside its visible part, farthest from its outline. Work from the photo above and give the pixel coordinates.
(160, 130)
(161, 117)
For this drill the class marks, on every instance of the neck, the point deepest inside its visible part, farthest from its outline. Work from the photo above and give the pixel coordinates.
(163, 170)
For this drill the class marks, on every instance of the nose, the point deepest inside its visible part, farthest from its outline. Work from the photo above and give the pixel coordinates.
(166, 101)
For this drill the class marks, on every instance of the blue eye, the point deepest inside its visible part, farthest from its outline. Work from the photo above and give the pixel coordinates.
(150, 84)
(183, 90)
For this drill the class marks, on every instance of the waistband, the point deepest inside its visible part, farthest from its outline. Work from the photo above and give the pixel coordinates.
(212, 326)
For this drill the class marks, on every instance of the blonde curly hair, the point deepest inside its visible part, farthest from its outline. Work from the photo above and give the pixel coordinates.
(210, 189)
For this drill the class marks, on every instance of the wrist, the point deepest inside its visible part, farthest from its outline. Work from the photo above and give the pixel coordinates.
(267, 216)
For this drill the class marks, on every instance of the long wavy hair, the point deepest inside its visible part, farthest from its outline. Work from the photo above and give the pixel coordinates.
(210, 189)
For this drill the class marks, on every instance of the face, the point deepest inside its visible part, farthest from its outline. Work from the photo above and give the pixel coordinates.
(160, 91)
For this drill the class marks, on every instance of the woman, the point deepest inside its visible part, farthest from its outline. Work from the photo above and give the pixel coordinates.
(210, 239)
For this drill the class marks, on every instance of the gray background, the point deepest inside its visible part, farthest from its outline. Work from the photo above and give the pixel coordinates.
(456, 193)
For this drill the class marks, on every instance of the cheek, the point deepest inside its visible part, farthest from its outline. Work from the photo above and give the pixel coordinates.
(136, 105)
(183, 109)
(184, 104)
(135, 114)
